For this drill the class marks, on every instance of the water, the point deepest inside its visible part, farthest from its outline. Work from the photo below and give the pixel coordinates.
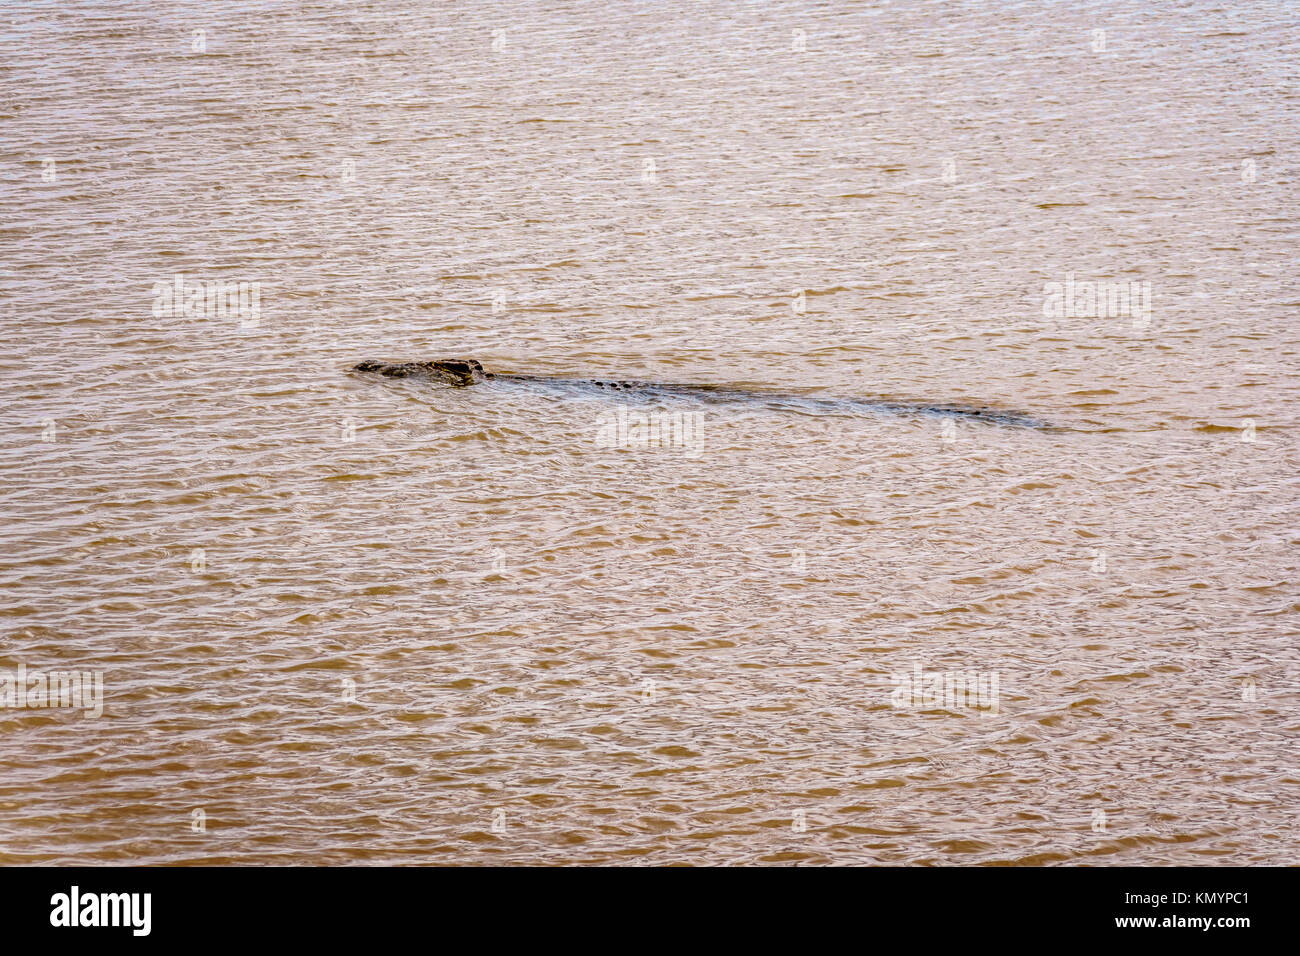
(342, 620)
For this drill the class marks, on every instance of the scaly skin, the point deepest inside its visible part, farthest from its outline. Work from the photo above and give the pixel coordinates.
(458, 372)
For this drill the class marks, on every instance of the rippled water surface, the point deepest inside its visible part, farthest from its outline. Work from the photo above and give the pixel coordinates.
(342, 618)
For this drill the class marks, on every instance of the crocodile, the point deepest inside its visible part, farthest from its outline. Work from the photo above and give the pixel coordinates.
(460, 373)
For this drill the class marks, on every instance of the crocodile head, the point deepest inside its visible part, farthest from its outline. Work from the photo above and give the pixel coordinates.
(449, 371)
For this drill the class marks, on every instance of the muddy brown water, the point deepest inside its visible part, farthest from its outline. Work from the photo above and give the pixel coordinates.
(347, 621)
